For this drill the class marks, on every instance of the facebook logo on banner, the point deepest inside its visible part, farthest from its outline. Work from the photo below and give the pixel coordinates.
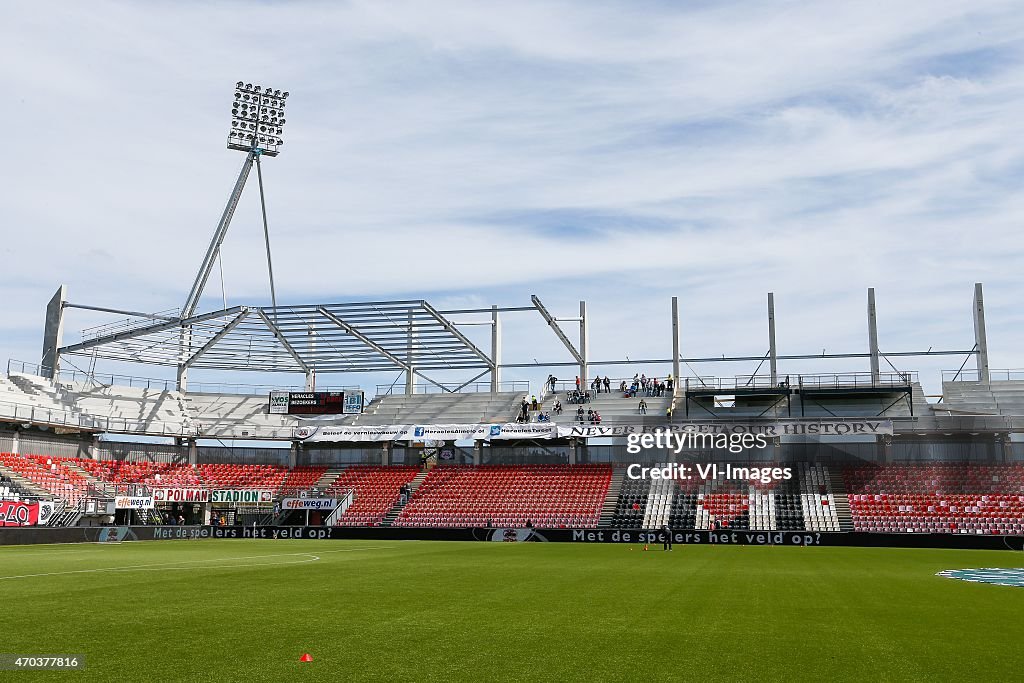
(495, 430)
(418, 431)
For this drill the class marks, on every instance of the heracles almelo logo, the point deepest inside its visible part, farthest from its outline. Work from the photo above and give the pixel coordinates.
(304, 432)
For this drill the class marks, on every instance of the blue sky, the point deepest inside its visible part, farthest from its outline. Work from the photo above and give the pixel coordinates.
(474, 153)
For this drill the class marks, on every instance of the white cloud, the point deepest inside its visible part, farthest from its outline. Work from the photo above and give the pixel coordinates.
(731, 149)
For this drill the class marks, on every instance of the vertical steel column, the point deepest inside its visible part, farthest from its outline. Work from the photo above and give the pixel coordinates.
(53, 334)
(773, 356)
(584, 345)
(980, 336)
(675, 346)
(410, 368)
(873, 336)
(495, 349)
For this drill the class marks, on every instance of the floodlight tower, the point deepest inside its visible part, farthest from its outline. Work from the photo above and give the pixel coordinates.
(257, 123)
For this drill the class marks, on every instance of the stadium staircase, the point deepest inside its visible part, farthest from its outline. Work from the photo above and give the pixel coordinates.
(397, 508)
(611, 500)
(837, 486)
(328, 478)
(103, 487)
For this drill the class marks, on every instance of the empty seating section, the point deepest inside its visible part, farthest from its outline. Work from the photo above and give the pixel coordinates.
(151, 474)
(549, 496)
(818, 503)
(47, 474)
(302, 478)
(376, 491)
(631, 506)
(445, 408)
(231, 476)
(937, 498)
(917, 498)
(696, 504)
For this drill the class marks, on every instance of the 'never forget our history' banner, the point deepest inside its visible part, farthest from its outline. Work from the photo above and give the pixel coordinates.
(513, 430)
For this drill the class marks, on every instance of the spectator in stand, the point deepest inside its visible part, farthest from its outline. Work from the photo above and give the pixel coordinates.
(643, 407)
(579, 414)
(577, 382)
(595, 418)
(607, 384)
(622, 387)
(590, 415)
(551, 382)
(557, 407)
(524, 411)
(668, 413)
(533, 400)
(668, 383)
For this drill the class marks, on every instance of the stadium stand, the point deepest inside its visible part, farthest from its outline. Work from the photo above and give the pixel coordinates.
(951, 497)
(446, 408)
(377, 491)
(937, 498)
(548, 496)
(45, 476)
(233, 476)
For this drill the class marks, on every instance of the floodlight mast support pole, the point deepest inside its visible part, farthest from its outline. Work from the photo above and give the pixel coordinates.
(266, 235)
(218, 237)
(206, 268)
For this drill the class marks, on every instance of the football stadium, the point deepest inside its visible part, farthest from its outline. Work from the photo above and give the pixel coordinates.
(296, 484)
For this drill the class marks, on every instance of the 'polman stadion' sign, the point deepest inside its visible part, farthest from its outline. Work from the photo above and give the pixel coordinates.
(252, 497)
(491, 432)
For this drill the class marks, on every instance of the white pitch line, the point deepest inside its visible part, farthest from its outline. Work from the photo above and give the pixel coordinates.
(165, 566)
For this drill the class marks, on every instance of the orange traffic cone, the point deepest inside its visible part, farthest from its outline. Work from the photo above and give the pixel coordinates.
(306, 658)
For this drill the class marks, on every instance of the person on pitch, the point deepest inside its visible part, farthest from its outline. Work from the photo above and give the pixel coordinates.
(668, 537)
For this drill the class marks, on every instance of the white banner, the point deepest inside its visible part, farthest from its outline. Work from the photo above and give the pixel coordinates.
(309, 504)
(514, 430)
(133, 502)
(181, 495)
(252, 497)
(446, 432)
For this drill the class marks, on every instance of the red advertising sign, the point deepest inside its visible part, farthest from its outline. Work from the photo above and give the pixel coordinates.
(16, 513)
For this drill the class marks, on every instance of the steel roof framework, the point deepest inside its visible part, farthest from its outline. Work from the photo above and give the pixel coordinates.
(321, 338)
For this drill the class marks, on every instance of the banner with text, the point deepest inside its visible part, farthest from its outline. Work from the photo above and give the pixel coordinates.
(181, 495)
(133, 502)
(248, 496)
(309, 504)
(513, 430)
(20, 513)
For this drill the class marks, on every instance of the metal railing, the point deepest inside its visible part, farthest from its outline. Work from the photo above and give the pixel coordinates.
(856, 380)
(452, 387)
(153, 383)
(36, 415)
(1007, 375)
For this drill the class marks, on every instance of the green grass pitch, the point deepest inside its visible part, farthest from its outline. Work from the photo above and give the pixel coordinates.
(246, 610)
